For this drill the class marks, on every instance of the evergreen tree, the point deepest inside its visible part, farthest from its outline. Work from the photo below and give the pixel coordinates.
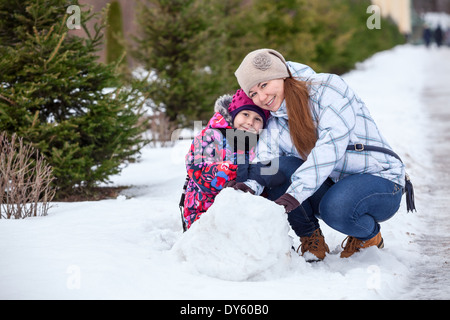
(365, 42)
(235, 30)
(114, 34)
(330, 35)
(53, 93)
(171, 45)
(179, 38)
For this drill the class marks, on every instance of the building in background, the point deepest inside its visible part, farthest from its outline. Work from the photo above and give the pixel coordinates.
(127, 23)
(424, 6)
(399, 11)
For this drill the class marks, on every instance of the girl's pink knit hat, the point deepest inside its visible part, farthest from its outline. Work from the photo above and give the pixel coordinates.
(241, 102)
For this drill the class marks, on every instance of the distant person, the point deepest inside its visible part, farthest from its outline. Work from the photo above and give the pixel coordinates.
(438, 36)
(447, 38)
(427, 35)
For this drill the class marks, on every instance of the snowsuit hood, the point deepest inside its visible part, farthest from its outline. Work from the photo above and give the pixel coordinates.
(222, 117)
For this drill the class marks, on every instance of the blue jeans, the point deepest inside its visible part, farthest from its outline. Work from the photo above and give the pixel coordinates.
(354, 205)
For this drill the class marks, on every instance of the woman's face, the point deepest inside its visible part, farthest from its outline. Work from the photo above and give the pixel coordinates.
(248, 120)
(268, 95)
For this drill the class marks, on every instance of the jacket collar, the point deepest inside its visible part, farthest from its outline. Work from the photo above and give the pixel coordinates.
(281, 112)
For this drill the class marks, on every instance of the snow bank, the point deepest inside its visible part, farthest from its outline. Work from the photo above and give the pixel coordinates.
(241, 237)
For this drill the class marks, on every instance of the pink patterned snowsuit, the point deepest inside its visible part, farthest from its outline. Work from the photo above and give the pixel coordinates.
(210, 163)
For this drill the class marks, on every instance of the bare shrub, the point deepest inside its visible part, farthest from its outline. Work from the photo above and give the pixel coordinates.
(25, 180)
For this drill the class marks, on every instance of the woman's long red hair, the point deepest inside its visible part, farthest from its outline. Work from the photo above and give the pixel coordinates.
(301, 125)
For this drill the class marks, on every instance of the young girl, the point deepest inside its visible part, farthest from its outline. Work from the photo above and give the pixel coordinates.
(214, 160)
(340, 166)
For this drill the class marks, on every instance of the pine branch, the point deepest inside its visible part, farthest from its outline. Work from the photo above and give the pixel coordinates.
(8, 100)
(55, 51)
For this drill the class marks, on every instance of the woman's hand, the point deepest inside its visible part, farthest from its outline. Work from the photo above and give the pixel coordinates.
(288, 202)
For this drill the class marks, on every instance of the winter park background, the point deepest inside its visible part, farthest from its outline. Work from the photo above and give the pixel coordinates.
(133, 247)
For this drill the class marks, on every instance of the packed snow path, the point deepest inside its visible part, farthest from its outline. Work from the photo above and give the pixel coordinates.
(432, 276)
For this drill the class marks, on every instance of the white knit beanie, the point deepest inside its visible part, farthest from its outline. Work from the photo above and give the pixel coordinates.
(259, 66)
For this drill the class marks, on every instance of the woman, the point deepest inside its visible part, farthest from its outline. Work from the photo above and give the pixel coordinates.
(317, 131)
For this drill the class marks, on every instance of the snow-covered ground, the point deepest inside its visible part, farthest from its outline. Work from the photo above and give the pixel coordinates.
(133, 247)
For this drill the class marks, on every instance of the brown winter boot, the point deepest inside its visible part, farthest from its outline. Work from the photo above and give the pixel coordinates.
(354, 245)
(314, 244)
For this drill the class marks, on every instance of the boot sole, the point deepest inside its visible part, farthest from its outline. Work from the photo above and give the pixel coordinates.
(381, 244)
(313, 258)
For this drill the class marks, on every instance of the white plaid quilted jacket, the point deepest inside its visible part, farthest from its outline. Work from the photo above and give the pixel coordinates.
(341, 119)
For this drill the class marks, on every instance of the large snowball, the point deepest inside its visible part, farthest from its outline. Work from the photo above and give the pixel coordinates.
(241, 237)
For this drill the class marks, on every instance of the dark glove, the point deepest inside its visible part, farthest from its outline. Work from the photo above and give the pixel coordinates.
(288, 202)
(239, 186)
(229, 184)
(253, 172)
(266, 180)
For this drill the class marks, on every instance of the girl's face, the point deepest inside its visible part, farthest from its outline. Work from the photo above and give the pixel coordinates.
(268, 95)
(248, 120)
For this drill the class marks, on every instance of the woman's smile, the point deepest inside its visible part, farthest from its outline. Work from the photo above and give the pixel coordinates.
(268, 95)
